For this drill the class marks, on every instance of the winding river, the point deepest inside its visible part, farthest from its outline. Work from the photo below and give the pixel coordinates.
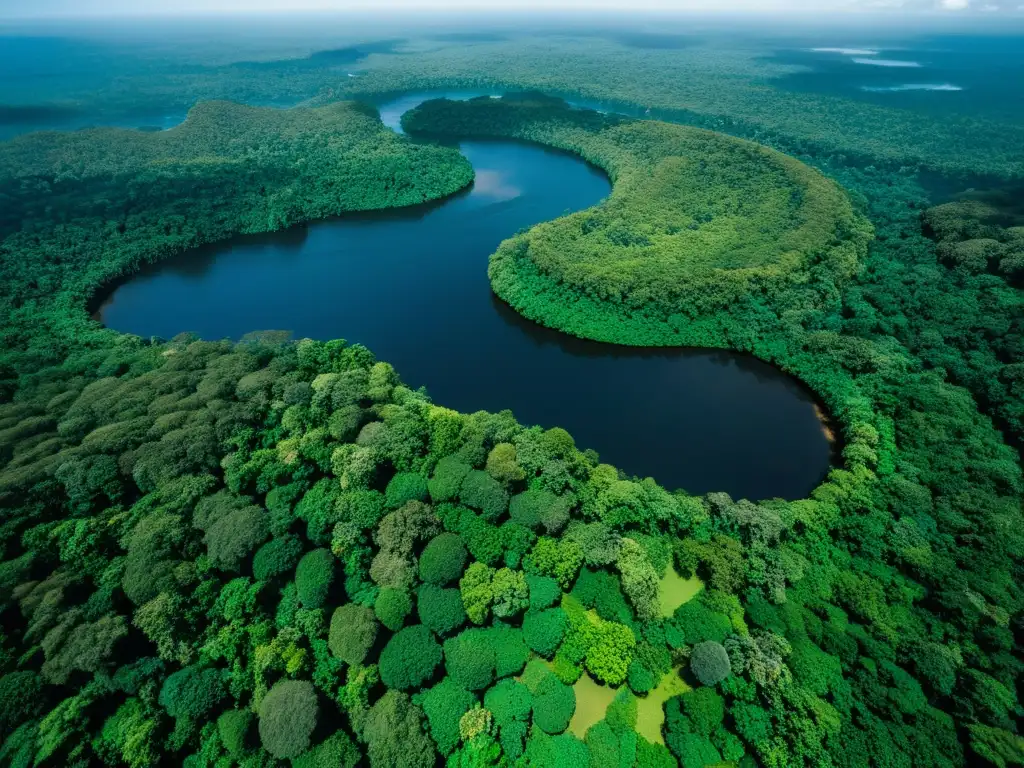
(412, 286)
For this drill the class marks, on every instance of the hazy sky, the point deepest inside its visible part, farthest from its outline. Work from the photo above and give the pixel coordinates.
(38, 8)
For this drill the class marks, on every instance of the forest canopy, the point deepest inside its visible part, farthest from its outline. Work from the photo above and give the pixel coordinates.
(697, 220)
(79, 210)
(269, 552)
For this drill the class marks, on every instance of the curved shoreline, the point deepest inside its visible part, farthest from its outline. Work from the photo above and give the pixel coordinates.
(629, 356)
(193, 513)
(648, 327)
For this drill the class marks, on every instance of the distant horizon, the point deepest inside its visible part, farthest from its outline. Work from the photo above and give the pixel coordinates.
(426, 10)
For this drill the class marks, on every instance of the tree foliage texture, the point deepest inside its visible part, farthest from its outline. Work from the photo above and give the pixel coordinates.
(196, 532)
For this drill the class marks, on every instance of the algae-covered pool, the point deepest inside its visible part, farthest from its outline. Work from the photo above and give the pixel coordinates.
(650, 711)
(674, 590)
(592, 700)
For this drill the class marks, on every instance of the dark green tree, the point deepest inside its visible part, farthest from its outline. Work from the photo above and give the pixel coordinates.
(277, 557)
(192, 692)
(410, 658)
(235, 728)
(445, 483)
(21, 698)
(481, 491)
(353, 632)
(336, 751)
(288, 716)
(544, 630)
(394, 734)
(314, 576)
(440, 609)
(392, 607)
(444, 706)
(405, 487)
(443, 559)
(470, 659)
(709, 662)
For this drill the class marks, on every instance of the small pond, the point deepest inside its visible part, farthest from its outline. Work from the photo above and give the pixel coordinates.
(674, 591)
(412, 286)
(592, 702)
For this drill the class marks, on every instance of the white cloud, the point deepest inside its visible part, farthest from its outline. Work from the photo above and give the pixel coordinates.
(847, 51)
(954, 5)
(887, 63)
(989, 8)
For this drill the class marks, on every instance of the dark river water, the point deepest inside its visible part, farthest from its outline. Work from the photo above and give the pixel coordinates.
(412, 286)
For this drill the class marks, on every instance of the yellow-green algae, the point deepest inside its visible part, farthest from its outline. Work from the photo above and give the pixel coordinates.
(592, 700)
(650, 710)
(674, 590)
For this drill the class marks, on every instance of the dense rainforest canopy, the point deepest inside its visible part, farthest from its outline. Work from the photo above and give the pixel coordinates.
(81, 209)
(723, 82)
(271, 552)
(697, 222)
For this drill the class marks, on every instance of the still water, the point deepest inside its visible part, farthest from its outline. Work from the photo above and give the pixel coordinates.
(412, 286)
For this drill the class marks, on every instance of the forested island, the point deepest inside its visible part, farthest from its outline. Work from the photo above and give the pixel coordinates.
(273, 552)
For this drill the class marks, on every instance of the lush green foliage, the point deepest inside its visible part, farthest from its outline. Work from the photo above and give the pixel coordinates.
(696, 223)
(191, 693)
(394, 733)
(336, 751)
(853, 336)
(353, 632)
(288, 715)
(440, 609)
(235, 728)
(477, 594)
(443, 559)
(277, 557)
(481, 491)
(510, 650)
(121, 198)
(510, 594)
(544, 630)
(705, 710)
(553, 700)
(444, 705)
(314, 576)
(470, 659)
(510, 702)
(158, 497)
(20, 699)
(447, 479)
(410, 658)
(715, 81)
(537, 506)
(405, 487)
(544, 591)
(392, 607)
(736, 83)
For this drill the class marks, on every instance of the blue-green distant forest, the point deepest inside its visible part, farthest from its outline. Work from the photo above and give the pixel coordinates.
(744, 303)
